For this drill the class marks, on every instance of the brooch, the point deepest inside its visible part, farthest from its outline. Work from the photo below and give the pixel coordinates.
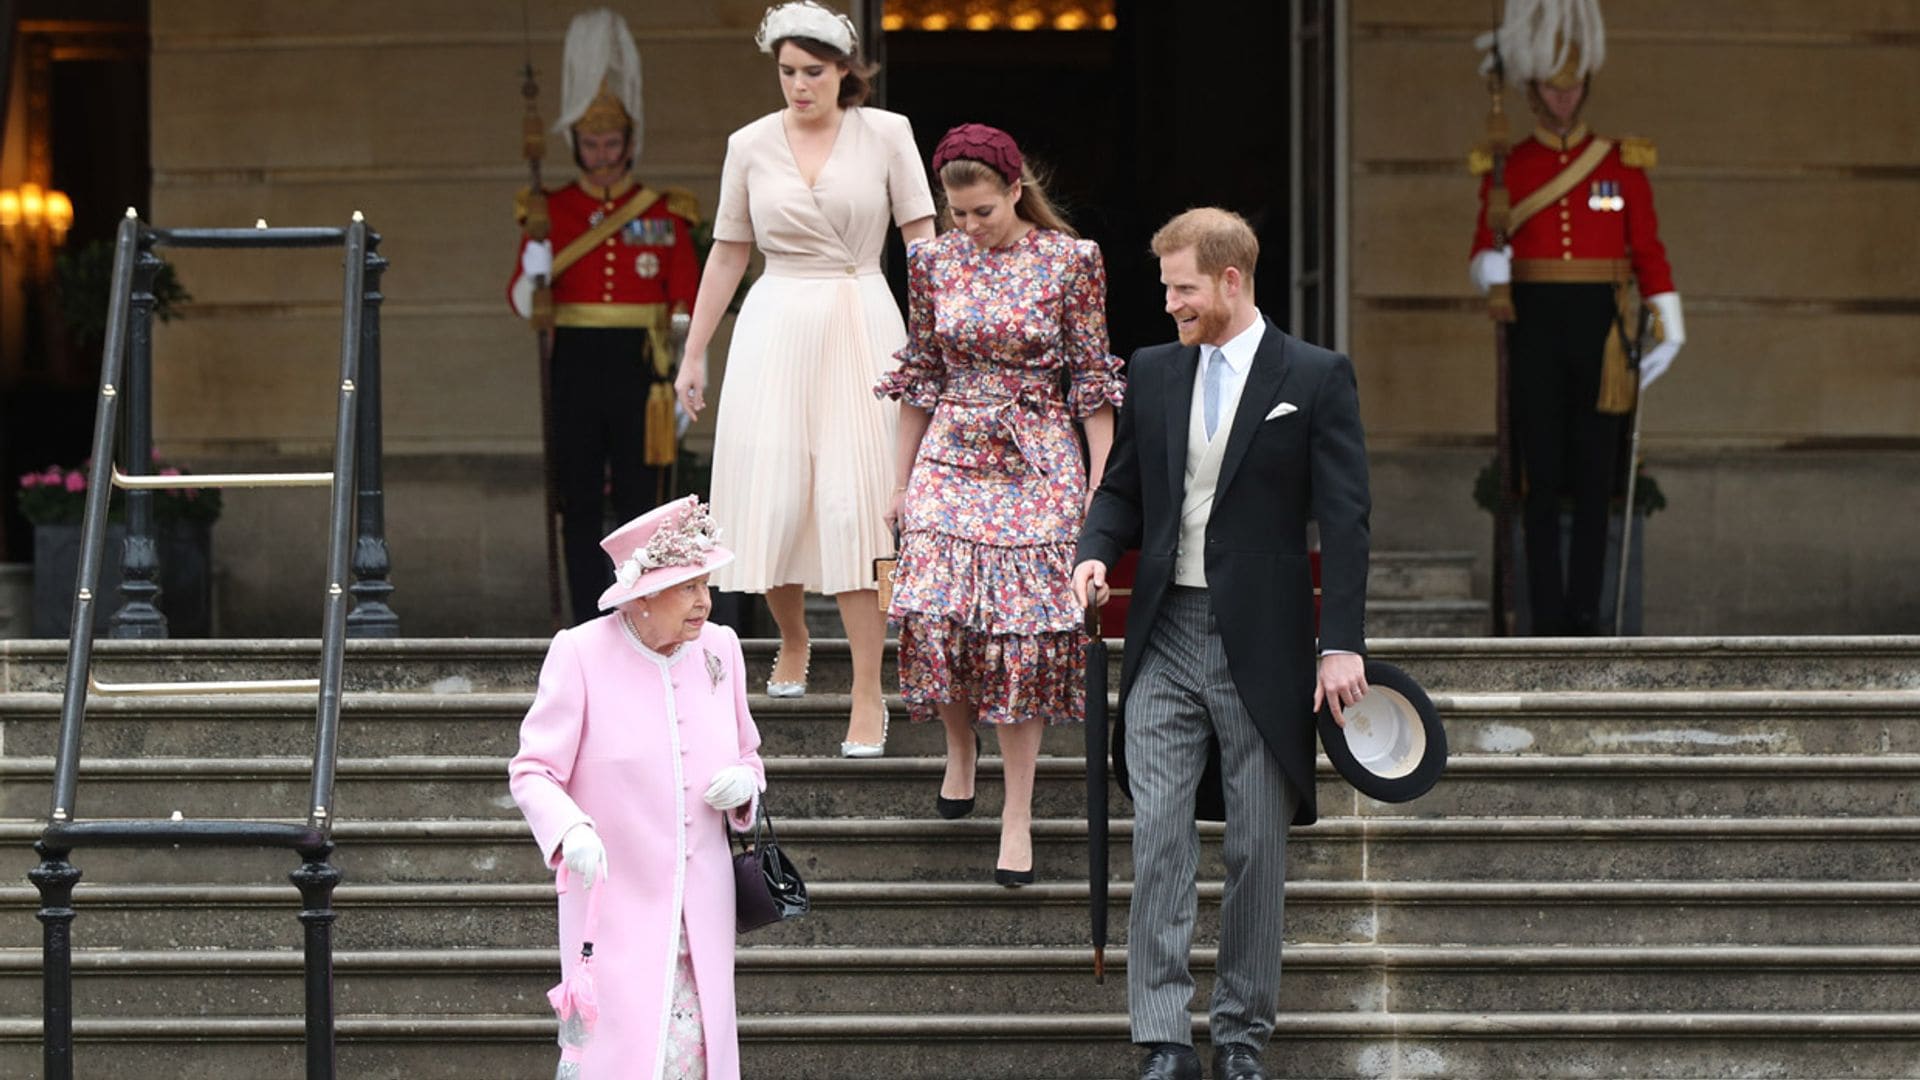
(715, 670)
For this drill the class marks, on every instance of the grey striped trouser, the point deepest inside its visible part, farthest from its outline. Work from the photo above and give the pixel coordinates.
(1181, 698)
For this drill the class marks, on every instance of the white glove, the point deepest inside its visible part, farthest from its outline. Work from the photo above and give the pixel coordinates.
(584, 855)
(732, 786)
(1673, 334)
(1490, 268)
(536, 259)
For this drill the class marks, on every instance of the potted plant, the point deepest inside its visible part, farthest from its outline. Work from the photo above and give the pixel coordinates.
(1648, 500)
(54, 501)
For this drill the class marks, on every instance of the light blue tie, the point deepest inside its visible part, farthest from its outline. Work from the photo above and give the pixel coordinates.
(1212, 390)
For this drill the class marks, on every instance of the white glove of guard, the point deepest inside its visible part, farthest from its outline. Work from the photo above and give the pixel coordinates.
(1490, 268)
(732, 786)
(584, 855)
(1673, 334)
(536, 259)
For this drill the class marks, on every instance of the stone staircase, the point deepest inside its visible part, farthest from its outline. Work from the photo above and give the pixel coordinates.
(1410, 594)
(1650, 858)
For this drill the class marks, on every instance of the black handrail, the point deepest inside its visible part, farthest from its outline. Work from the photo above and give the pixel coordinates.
(126, 350)
(93, 527)
(333, 632)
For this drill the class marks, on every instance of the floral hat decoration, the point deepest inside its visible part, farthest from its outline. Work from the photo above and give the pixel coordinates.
(661, 548)
(805, 19)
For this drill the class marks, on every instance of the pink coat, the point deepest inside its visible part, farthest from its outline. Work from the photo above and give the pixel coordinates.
(627, 739)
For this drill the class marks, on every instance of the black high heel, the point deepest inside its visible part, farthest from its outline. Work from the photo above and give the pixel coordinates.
(955, 809)
(1011, 879)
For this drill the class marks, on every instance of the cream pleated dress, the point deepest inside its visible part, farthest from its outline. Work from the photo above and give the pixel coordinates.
(803, 454)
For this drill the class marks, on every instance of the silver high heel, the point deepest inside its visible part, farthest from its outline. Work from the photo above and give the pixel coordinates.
(791, 689)
(851, 749)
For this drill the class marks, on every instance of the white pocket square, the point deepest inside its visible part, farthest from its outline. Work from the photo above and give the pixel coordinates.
(1282, 409)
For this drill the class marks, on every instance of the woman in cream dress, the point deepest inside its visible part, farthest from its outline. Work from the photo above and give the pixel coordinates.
(803, 455)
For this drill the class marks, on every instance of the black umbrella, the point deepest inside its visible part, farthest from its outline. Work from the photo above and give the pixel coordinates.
(1097, 790)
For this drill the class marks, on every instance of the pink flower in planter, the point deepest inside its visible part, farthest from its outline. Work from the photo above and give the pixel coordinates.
(29, 480)
(170, 471)
(76, 481)
(52, 477)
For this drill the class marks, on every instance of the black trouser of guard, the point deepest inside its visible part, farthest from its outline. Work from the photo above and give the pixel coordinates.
(1566, 449)
(601, 378)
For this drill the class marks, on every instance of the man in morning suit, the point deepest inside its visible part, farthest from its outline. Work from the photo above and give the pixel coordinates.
(1228, 444)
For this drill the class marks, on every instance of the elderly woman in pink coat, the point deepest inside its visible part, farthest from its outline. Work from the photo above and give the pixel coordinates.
(637, 745)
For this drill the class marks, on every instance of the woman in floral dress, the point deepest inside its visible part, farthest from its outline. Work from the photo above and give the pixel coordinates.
(1006, 349)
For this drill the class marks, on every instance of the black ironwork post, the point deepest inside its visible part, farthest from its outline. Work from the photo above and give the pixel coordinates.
(316, 880)
(140, 615)
(55, 878)
(372, 616)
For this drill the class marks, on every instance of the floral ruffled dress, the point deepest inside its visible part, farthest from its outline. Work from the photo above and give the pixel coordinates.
(1007, 348)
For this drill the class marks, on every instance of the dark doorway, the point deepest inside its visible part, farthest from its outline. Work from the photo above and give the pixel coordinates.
(1178, 105)
(80, 127)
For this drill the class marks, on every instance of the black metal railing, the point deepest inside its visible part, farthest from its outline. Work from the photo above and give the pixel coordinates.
(142, 610)
(352, 541)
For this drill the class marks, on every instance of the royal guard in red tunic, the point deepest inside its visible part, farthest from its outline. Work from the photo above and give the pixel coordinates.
(621, 262)
(1580, 229)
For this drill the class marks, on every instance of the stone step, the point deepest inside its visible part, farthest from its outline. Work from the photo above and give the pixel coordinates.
(458, 665)
(1336, 849)
(1414, 619)
(1409, 594)
(1344, 1044)
(1056, 982)
(401, 724)
(1419, 575)
(872, 914)
(1622, 785)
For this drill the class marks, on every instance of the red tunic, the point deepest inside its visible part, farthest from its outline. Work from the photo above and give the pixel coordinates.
(1607, 216)
(650, 262)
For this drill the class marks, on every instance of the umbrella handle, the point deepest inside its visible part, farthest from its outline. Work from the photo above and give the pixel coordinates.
(592, 927)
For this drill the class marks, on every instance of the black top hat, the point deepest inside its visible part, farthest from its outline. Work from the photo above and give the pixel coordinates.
(1393, 748)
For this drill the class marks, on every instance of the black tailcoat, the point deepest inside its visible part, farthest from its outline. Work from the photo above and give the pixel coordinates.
(1276, 475)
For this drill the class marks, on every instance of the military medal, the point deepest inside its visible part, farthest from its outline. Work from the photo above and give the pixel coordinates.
(1604, 195)
(646, 264)
(594, 219)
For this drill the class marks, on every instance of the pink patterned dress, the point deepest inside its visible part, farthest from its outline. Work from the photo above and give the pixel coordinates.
(1007, 348)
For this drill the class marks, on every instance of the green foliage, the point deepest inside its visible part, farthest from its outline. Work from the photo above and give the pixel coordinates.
(1648, 499)
(83, 276)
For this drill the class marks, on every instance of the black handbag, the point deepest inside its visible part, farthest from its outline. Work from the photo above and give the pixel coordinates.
(766, 887)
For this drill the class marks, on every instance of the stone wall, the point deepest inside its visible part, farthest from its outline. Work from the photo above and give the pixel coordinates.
(1789, 172)
(1789, 140)
(301, 114)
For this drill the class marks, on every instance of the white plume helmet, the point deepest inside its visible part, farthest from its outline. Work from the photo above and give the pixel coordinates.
(806, 19)
(1538, 38)
(600, 52)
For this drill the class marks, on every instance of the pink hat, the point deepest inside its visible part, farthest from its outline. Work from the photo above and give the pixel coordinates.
(661, 548)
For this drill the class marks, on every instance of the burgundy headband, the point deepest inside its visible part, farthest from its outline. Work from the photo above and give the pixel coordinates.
(987, 145)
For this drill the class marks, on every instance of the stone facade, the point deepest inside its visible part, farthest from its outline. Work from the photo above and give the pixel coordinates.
(1789, 164)
(1789, 141)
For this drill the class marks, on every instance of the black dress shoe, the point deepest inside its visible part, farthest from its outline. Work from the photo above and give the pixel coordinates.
(1164, 1064)
(1013, 879)
(1237, 1061)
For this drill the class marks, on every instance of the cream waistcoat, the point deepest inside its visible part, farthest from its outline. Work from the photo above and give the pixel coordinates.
(1203, 476)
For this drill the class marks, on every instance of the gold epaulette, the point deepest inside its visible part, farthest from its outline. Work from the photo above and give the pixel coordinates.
(1638, 153)
(1480, 160)
(681, 203)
